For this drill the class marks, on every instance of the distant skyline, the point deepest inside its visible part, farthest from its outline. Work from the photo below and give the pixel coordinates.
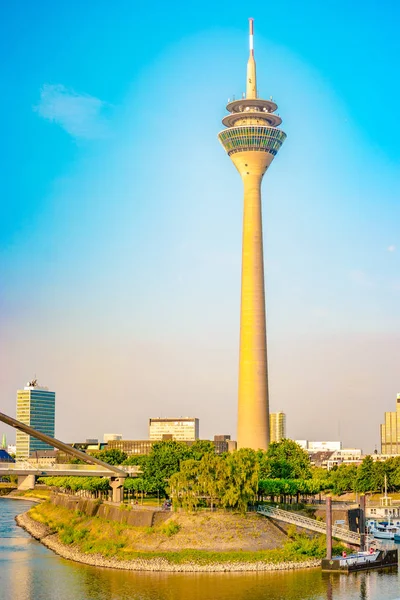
(121, 214)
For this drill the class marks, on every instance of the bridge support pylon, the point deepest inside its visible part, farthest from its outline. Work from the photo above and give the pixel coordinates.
(26, 482)
(117, 485)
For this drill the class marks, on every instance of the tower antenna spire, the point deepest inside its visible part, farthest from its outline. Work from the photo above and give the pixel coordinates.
(251, 36)
(251, 85)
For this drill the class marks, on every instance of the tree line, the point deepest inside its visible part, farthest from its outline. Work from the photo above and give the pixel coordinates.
(196, 477)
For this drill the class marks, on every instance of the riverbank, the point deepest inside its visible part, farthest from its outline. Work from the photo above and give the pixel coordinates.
(129, 558)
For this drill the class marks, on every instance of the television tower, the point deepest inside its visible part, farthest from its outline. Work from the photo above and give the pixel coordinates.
(252, 140)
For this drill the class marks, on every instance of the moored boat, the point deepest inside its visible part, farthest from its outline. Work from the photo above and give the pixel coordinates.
(359, 561)
(384, 531)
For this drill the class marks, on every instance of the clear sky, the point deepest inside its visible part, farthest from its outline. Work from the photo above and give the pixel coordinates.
(120, 213)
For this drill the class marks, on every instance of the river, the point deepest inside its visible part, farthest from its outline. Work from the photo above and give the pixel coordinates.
(29, 571)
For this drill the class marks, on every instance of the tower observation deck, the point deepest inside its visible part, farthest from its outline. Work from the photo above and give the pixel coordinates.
(252, 140)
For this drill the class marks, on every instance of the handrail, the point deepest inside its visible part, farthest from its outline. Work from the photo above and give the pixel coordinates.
(307, 523)
(60, 445)
(27, 466)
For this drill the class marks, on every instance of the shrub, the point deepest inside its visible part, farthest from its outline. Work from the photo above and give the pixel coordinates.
(171, 528)
(292, 532)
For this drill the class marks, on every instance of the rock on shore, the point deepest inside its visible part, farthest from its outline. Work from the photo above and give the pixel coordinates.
(50, 540)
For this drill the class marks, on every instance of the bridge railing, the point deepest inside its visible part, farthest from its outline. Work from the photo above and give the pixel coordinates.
(307, 523)
(27, 466)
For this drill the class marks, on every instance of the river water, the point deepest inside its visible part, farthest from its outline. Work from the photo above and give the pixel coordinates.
(29, 571)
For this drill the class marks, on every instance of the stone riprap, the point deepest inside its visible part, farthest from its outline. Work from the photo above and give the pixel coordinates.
(50, 540)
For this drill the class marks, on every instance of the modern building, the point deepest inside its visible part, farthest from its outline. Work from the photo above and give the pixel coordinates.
(12, 449)
(180, 429)
(390, 431)
(328, 459)
(252, 140)
(345, 456)
(45, 458)
(138, 447)
(131, 447)
(91, 446)
(222, 443)
(319, 446)
(112, 436)
(277, 426)
(35, 407)
(5, 457)
(323, 446)
(302, 443)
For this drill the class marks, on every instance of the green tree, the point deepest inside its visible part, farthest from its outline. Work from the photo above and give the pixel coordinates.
(287, 460)
(212, 477)
(365, 476)
(200, 448)
(139, 460)
(163, 461)
(343, 479)
(112, 457)
(184, 486)
(243, 471)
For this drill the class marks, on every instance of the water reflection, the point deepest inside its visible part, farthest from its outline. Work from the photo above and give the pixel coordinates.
(28, 571)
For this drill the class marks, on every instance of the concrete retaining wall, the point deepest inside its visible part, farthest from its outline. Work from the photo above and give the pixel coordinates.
(135, 517)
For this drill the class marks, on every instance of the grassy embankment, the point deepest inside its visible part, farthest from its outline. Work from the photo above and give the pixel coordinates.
(37, 494)
(6, 488)
(92, 535)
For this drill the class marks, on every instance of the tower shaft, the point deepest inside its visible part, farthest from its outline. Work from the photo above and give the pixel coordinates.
(253, 405)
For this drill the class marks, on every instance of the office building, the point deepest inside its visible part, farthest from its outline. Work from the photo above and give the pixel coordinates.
(277, 426)
(44, 458)
(180, 429)
(131, 447)
(390, 431)
(112, 436)
(324, 446)
(319, 446)
(12, 449)
(252, 140)
(5, 457)
(90, 446)
(302, 443)
(139, 447)
(345, 456)
(221, 443)
(35, 407)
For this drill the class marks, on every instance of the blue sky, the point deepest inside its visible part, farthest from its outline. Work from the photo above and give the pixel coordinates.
(120, 214)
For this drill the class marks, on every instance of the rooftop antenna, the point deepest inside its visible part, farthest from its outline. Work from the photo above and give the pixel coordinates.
(251, 85)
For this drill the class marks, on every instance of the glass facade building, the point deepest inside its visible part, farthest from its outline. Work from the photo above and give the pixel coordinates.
(181, 429)
(277, 426)
(390, 431)
(36, 408)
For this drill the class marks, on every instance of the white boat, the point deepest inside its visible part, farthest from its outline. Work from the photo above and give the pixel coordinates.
(384, 531)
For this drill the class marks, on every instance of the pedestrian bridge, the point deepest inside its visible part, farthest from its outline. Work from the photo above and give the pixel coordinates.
(63, 470)
(26, 479)
(341, 533)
